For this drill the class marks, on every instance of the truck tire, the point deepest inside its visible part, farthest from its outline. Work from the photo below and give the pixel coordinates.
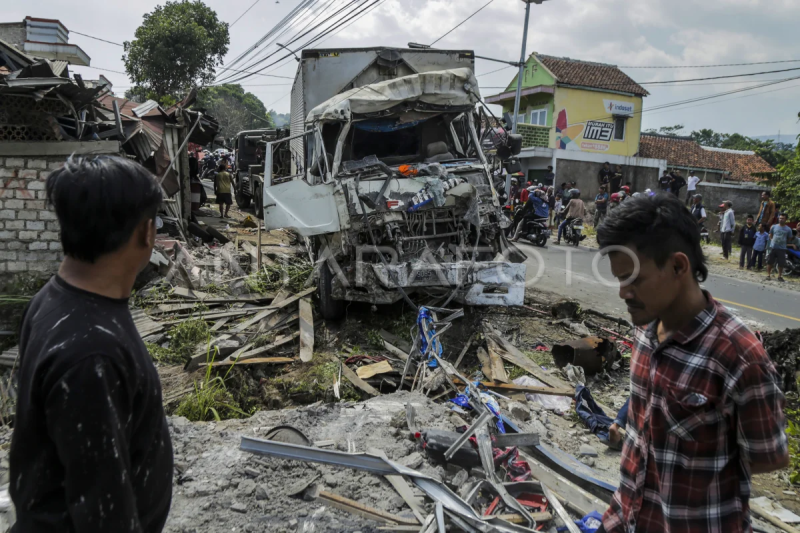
(242, 200)
(329, 308)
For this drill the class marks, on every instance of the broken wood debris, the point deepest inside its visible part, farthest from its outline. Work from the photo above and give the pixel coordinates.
(306, 330)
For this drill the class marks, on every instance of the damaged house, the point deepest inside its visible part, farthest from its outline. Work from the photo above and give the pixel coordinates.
(48, 113)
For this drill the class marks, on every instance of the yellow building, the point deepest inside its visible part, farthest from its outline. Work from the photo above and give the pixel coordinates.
(569, 104)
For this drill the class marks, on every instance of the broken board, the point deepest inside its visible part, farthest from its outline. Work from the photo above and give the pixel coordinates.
(306, 330)
(367, 371)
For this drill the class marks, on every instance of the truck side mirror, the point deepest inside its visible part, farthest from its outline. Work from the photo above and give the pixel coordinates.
(510, 146)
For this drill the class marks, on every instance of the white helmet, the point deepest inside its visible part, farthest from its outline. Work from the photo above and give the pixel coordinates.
(531, 189)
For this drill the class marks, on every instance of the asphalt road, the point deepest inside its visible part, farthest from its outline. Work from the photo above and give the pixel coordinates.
(568, 271)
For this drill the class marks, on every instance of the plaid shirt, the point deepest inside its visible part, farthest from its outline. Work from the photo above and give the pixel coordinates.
(704, 404)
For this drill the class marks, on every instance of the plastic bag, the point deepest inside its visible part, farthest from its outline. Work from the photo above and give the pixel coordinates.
(553, 403)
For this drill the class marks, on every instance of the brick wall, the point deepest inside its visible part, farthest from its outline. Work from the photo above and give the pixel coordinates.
(29, 237)
(534, 135)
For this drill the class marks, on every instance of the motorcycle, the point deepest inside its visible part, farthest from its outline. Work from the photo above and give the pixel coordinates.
(209, 169)
(536, 231)
(792, 262)
(573, 230)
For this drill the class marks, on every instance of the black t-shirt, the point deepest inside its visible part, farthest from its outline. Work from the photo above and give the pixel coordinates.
(91, 451)
(616, 182)
(664, 182)
(604, 176)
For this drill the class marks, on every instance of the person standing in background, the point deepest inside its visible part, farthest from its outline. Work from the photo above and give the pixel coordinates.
(677, 183)
(615, 182)
(747, 238)
(222, 188)
(91, 450)
(605, 174)
(664, 181)
(691, 186)
(759, 247)
(550, 177)
(727, 225)
(600, 206)
(781, 237)
(767, 210)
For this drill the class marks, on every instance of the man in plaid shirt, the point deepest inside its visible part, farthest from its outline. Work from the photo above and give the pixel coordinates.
(705, 408)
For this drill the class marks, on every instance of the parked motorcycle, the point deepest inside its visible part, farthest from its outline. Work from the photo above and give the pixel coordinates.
(536, 231)
(792, 262)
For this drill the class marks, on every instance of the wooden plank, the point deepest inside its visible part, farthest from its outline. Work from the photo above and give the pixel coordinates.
(176, 308)
(257, 361)
(354, 507)
(367, 371)
(577, 499)
(519, 388)
(486, 363)
(306, 330)
(269, 310)
(760, 511)
(463, 352)
(519, 519)
(357, 381)
(395, 340)
(219, 323)
(498, 371)
(183, 292)
(511, 353)
(395, 350)
(264, 349)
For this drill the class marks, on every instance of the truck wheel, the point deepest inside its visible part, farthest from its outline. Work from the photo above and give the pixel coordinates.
(242, 200)
(329, 308)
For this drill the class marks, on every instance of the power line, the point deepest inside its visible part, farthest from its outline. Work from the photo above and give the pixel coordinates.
(104, 69)
(716, 77)
(721, 65)
(493, 71)
(738, 97)
(95, 38)
(345, 18)
(243, 14)
(462, 22)
(356, 19)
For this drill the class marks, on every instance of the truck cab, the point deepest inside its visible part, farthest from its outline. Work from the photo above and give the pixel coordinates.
(390, 187)
(249, 179)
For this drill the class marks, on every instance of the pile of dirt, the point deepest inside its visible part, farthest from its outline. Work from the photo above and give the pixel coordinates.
(217, 487)
(783, 348)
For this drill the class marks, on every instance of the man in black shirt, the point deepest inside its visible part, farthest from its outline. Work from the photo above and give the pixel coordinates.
(664, 181)
(615, 183)
(91, 451)
(677, 183)
(605, 174)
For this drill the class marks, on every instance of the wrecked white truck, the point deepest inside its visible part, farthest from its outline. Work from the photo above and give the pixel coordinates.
(388, 182)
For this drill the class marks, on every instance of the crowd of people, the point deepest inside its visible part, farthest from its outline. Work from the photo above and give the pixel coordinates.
(764, 238)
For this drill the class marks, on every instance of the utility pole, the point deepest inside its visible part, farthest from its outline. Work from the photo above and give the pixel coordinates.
(522, 62)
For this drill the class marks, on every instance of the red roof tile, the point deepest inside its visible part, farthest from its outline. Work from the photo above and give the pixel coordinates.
(587, 74)
(684, 152)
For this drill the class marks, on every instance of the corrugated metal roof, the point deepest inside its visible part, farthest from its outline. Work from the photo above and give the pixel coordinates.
(144, 108)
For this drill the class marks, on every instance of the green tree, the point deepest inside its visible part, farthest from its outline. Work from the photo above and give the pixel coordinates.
(672, 131)
(178, 45)
(787, 191)
(773, 153)
(234, 109)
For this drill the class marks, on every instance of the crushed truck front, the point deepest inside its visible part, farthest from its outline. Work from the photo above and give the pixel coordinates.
(396, 195)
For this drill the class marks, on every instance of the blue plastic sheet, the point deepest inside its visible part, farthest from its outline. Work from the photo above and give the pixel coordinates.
(591, 414)
(587, 524)
(429, 344)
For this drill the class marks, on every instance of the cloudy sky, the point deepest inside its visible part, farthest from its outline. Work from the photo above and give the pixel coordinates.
(642, 33)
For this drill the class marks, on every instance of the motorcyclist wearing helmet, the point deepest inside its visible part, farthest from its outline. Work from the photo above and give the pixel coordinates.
(575, 208)
(535, 208)
(513, 194)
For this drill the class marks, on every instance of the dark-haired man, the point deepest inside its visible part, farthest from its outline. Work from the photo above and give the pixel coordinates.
(605, 174)
(705, 411)
(91, 451)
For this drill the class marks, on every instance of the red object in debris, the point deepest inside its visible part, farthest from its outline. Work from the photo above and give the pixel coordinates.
(537, 502)
(418, 435)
